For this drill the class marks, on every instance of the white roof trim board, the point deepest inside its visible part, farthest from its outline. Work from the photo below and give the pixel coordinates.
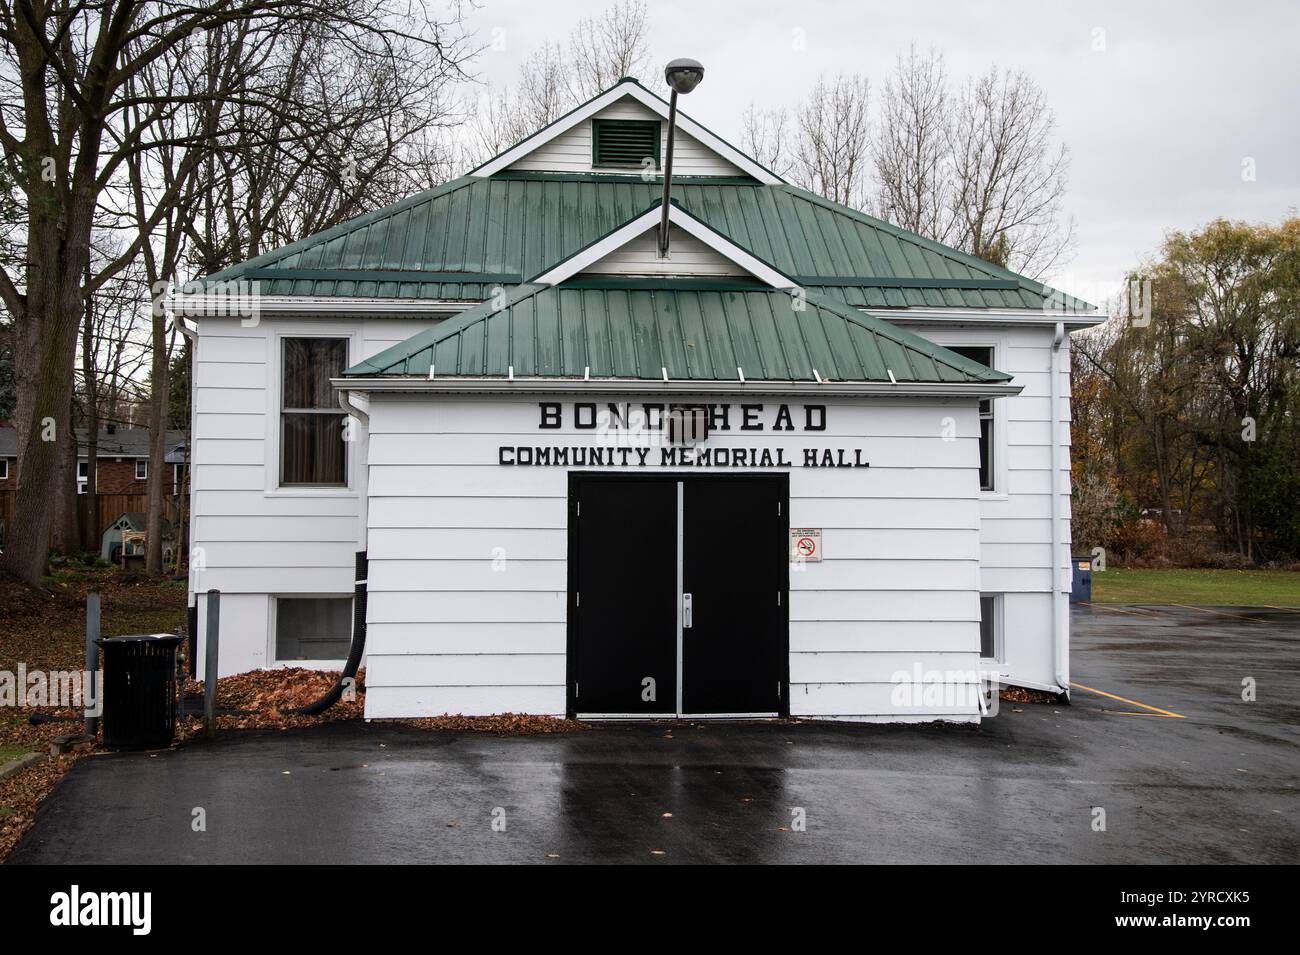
(645, 386)
(983, 316)
(585, 258)
(627, 87)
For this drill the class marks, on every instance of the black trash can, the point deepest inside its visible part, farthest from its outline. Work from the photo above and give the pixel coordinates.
(139, 690)
(1081, 592)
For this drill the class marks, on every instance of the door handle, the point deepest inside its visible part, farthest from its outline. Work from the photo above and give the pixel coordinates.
(686, 611)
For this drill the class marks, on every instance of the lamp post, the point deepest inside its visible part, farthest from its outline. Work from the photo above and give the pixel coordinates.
(683, 75)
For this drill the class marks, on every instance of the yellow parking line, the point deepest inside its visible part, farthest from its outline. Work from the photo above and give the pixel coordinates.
(1221, 613)
(1130, 613)
(1112, 696)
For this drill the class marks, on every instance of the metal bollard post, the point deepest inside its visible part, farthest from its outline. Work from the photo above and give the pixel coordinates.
(210, 641)
(90, 693)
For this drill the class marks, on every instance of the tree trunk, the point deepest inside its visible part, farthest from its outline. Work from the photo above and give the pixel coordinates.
(65, 537)
(44, 352)
(157, 449)
(90, 500)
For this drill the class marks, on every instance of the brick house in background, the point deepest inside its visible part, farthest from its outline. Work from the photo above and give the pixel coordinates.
(122, 460)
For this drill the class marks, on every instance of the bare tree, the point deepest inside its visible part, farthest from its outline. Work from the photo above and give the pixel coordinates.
(832, 149)
(556, 77)
(604, 49)
(64, 74)
(1009, 176)
(765, 136)
(911, 152)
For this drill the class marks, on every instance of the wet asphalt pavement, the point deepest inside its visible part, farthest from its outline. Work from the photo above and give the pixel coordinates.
(1220, 785)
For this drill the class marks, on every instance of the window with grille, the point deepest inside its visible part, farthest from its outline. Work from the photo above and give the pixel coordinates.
(312, 449)
(624, 142)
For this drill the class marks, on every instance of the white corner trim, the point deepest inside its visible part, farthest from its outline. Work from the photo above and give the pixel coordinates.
(651, 102)
(584, 259)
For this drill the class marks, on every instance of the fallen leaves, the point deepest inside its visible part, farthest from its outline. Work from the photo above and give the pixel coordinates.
(1021, 694)
(258, 699)
(501, 724)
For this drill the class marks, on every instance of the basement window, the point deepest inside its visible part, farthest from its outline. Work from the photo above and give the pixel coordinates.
(990, 626)
(313, 628)
(312, 449)
(624, 143)
(984, 355)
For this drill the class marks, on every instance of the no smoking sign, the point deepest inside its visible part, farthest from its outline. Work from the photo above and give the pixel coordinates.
(805, 543)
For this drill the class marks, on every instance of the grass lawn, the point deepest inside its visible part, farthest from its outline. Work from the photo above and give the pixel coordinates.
(9, 751)
(1267, 588)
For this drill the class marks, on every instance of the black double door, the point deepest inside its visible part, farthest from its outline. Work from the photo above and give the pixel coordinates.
(677, 595)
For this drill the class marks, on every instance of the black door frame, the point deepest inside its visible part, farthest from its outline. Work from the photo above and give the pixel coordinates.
(781, 478)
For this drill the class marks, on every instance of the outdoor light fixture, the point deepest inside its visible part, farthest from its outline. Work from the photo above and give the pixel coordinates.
(682, 75)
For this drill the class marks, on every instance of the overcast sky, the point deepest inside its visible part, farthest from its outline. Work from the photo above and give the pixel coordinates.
(1158, 123)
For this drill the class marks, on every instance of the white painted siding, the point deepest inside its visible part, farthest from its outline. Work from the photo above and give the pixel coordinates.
(467, 593)
(571, 150)
(687, 255)
(1015, 519)
(251, 539)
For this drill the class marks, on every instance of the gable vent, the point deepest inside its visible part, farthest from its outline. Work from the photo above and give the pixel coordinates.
(624, 142)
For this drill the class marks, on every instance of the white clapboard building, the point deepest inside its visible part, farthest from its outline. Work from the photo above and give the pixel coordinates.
(806, 463)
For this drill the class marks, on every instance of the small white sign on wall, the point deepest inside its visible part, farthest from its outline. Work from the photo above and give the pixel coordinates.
(805, 543)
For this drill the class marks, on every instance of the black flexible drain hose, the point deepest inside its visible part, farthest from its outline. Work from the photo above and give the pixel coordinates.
(335, 693)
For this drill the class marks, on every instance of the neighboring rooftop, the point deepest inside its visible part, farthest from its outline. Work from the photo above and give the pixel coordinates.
(121, 443)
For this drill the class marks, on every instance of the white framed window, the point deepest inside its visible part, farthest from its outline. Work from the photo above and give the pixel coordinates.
(83, 475)
(313, 452)
(141, 469)
(311, 628)
(990, 626)
(984, 354)
(4, 469)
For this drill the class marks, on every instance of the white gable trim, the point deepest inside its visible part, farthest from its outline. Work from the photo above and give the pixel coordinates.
(584, 259)
(651, 102)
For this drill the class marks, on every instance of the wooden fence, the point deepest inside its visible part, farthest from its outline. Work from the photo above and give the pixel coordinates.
(109, 508)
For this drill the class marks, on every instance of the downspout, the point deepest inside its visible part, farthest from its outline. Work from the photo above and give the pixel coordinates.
(358, 406)
(1060, 634)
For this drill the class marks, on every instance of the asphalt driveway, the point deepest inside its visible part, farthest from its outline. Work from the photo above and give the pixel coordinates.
(1216, 781)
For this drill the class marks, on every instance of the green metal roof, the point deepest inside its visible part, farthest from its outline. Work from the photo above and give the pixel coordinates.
(460, 240)
(698, 331)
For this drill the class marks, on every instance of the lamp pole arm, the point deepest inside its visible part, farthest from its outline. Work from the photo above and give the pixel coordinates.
(668, 176)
